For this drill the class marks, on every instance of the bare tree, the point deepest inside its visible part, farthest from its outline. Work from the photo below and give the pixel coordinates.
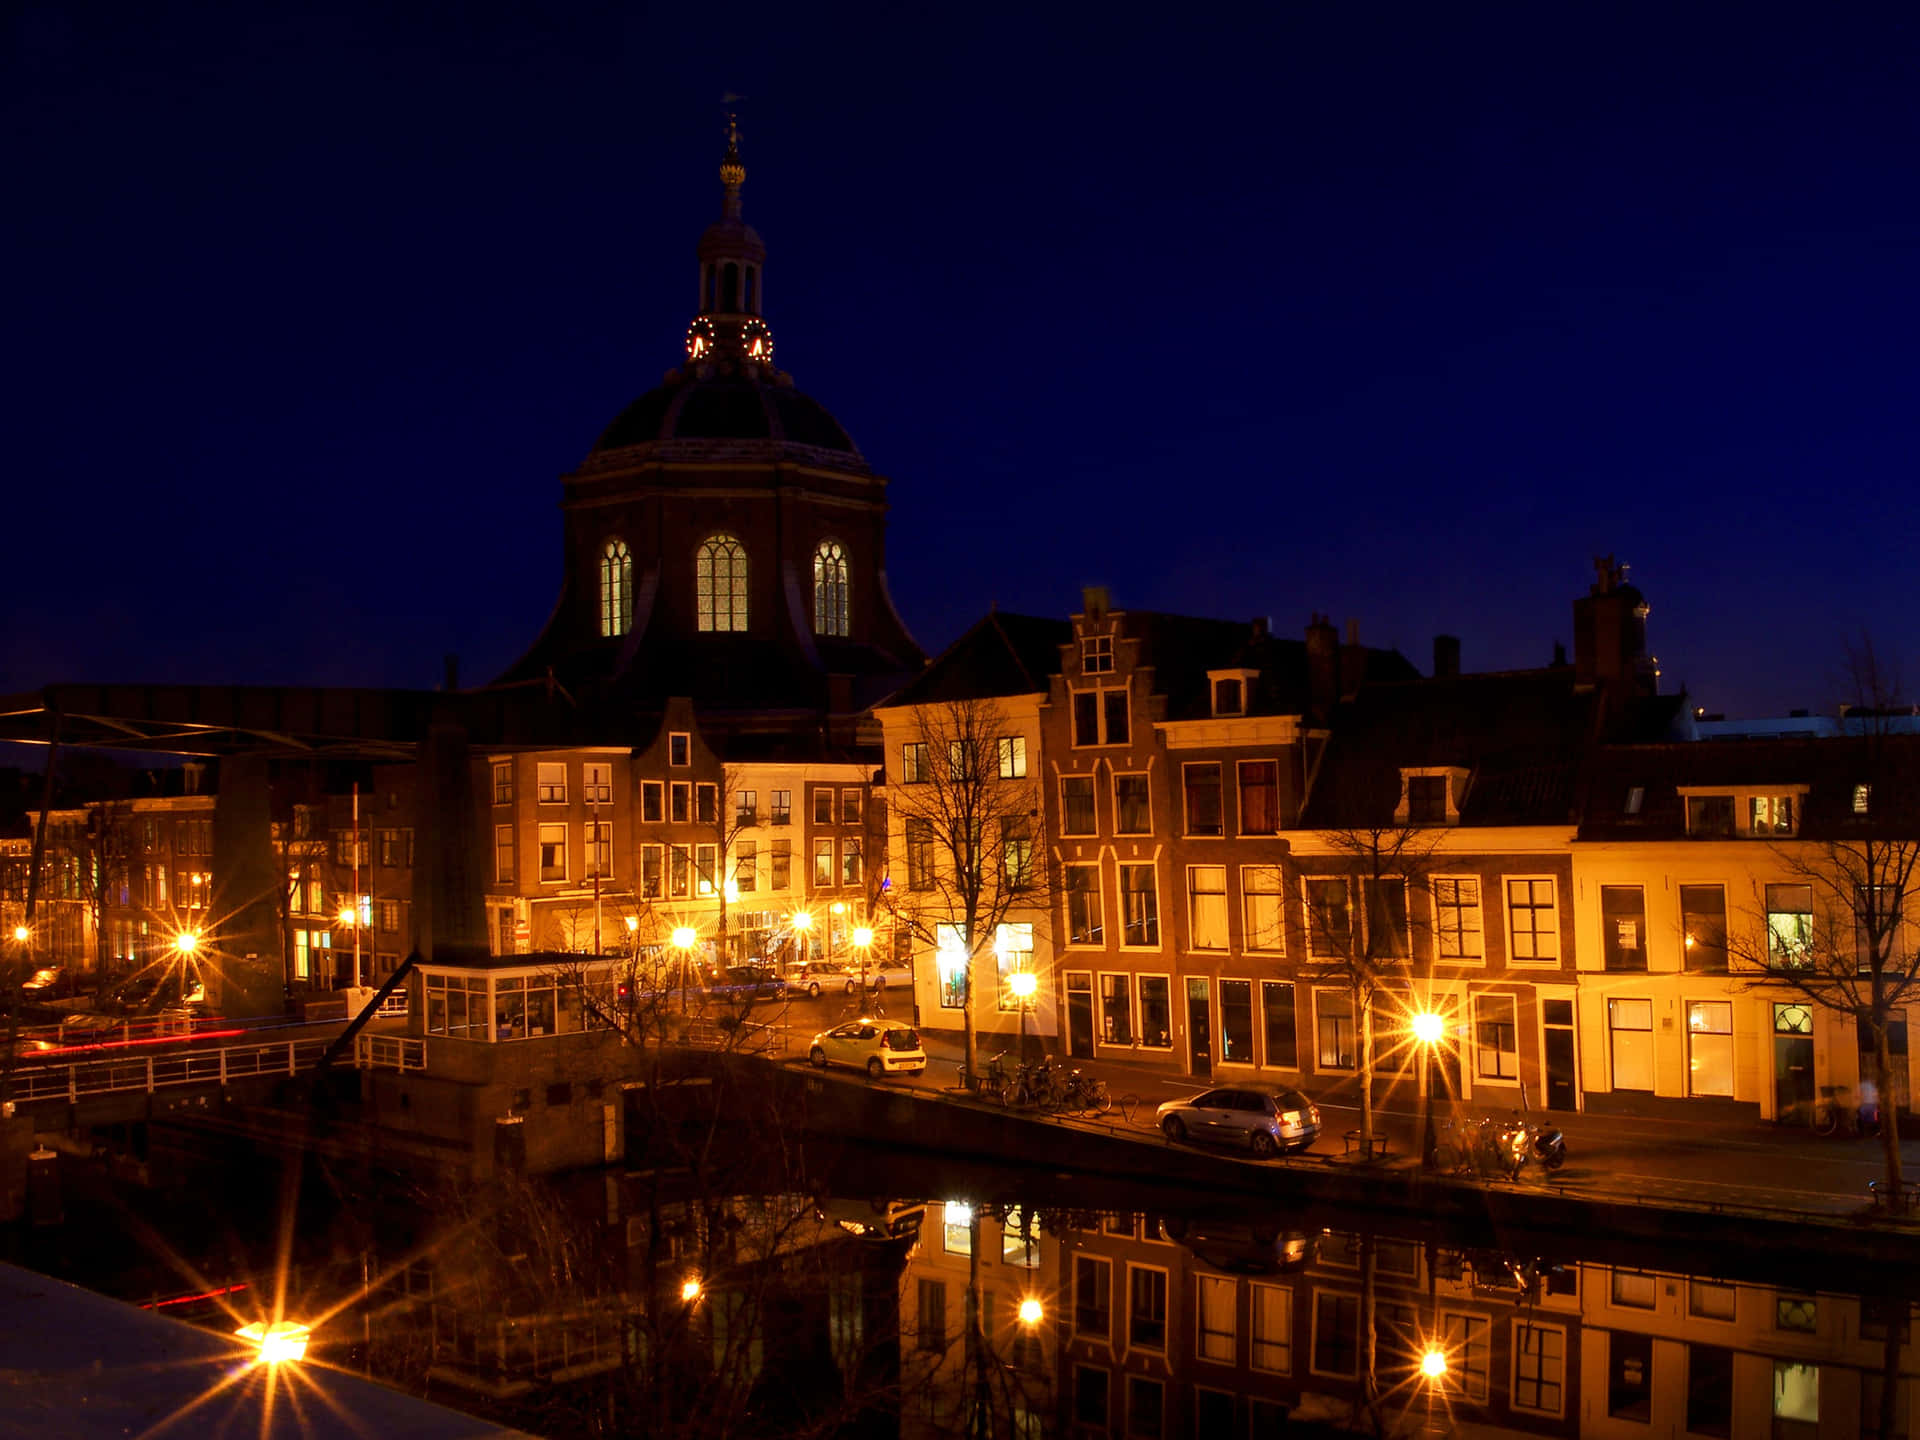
(1364, 927)
(1846, 945)
(105, 841)
(969, 833)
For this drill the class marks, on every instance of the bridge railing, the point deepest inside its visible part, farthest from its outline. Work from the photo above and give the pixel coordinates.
(745, 1037)
(390, 1052)
(214, 1065)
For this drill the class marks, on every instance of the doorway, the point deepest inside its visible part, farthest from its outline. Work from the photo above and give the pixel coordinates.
(1792, 1062)
(1080, 1014)
(1199, 1027)
(1563, 1086)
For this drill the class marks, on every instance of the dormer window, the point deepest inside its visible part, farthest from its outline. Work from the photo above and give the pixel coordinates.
(1770, 814)
(1636, 795)
(1230, 690)
(1756, 814)
(1426, 799)
(1096, 655)
(1862, 794)
(1430, 795)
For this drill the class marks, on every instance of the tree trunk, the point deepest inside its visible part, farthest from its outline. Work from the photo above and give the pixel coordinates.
(1889, 1115)
(1890, 1377)
(972, 1059)
(1363, 1028)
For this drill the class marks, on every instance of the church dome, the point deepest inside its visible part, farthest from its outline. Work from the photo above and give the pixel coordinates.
(731, 408)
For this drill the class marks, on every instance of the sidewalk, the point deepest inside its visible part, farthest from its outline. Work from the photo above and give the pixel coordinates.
(1758, 1166)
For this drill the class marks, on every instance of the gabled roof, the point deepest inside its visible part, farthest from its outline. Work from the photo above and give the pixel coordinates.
(1183, 648)
(1830, 768)
(1003, 654)
(1519, 735)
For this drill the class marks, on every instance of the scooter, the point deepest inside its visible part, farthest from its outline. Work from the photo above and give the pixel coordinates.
(1549, 1145)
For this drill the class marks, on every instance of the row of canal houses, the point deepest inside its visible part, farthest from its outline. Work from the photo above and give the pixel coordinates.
(1557, 860)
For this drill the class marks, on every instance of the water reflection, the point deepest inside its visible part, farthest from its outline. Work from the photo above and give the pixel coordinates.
(865, 1293)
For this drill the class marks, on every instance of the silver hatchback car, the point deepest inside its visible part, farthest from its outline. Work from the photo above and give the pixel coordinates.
(1265, 1119)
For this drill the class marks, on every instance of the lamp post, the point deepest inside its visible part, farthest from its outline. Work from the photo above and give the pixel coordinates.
(1428, 1028)
(801, 921)
(863, 942)
(1024, 984)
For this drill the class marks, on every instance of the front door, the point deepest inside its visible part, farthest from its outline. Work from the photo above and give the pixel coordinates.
(1792, 1062)
(1080, 1014)
(1562, 1088)
(1199, 1026)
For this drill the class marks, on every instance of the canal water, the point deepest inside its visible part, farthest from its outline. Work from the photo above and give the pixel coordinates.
(841, 1289)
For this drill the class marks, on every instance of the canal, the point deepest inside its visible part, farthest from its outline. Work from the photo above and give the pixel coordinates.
(764, 1283)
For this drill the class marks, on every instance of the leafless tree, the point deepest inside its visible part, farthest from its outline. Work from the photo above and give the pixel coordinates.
(969, 832)
(1851, 951)
(105, 841)
(1368, 913)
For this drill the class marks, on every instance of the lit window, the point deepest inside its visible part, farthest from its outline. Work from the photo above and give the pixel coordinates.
(720, 585)
(552, 784)
(1862, 795)
(1207, 907)
(1770, 814)
(1013, 757)
(616, 589)
(1789, 925)
(829, 589)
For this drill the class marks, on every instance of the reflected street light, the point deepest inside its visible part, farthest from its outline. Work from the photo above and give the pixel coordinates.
(276, 1341)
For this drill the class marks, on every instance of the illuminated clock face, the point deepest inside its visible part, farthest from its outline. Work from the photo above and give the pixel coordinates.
(757, 340)
(700, 339)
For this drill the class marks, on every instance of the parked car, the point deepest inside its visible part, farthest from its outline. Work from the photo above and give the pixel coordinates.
(749, 982)
(817, 977)
(1265, 1119)
(44, 981)
(876, 1046)
(1243, 1248)
(884, 974)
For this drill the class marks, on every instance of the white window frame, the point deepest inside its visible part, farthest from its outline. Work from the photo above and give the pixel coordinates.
(1486, 1331)
(1532, 1321)
(1013, 757)
(1096, 655)
(1249, 941)
(1166, 1315)
(1506, 902)
(1120, 904)
(1187, 831)
(1113, 793)
(1201, 1280)
(1479, 913)
(1254, 1018)
(1255, 1343)
(1313, 1332)
(1226, 912)
(1093, 798)
(596, 782)
(546, 790)
(1099, 906)
(1512, 1002)
(1306, 915)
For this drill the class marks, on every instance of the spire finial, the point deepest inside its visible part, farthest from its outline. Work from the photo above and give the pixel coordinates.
(733, 174)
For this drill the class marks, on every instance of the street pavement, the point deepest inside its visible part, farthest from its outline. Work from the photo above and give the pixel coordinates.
(1748, 1166)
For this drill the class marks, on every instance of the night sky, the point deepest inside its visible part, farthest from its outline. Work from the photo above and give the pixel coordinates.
(1397, 312)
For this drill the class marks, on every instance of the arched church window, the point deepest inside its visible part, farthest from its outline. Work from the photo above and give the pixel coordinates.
(829, 589)
(720, 585)
(616, 588)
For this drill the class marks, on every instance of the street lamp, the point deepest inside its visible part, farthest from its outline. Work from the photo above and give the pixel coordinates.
(1433, 1364)
(690, 1289)
(1032, 1312)
(863, 942)
(801, 921)
(1428, 1030)
(21, 934)
(1023, 983)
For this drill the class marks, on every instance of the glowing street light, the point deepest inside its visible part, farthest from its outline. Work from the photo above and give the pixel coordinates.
(1433, 1364)
(346, 915)
(187, 941)
(863, 937)
(633, 924)
(1025, 985)
(276, 1341)
(1429, 1029)
(21, 934)
(690, 1289)
(801, 921)
(1031, 1311)
(684, 937)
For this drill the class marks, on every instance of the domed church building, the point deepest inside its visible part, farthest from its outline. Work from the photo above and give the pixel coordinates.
(725, 538)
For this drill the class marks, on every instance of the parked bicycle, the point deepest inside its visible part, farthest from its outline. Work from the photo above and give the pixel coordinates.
(992, 1082)
(1836, 1115)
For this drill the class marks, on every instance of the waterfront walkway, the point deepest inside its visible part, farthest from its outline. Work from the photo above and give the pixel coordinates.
(1754, 1166)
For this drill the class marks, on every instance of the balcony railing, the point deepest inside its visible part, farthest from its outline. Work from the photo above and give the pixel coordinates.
(390, 1052)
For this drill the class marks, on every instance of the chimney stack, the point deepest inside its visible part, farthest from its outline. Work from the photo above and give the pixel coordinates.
(451, 664)
(1323, 664)
(1353, 661)
(1095, 601)
(1446, 657)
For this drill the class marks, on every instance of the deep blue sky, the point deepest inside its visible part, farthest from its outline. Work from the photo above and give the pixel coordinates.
(1399, 312)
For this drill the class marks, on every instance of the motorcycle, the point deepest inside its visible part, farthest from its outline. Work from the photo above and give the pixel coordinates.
(1549, 1146)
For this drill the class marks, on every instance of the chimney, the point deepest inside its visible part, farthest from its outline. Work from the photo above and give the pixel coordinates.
(1262, 624)
(1559, 655)
(1353, 661)
(1095, 601)
(1446, 657)
(1610, 634)
(1323, 647)
(451, 664)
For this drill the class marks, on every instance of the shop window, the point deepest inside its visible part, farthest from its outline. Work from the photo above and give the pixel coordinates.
(1710, 1047)
(1236, 1022)
(1276, 1006)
